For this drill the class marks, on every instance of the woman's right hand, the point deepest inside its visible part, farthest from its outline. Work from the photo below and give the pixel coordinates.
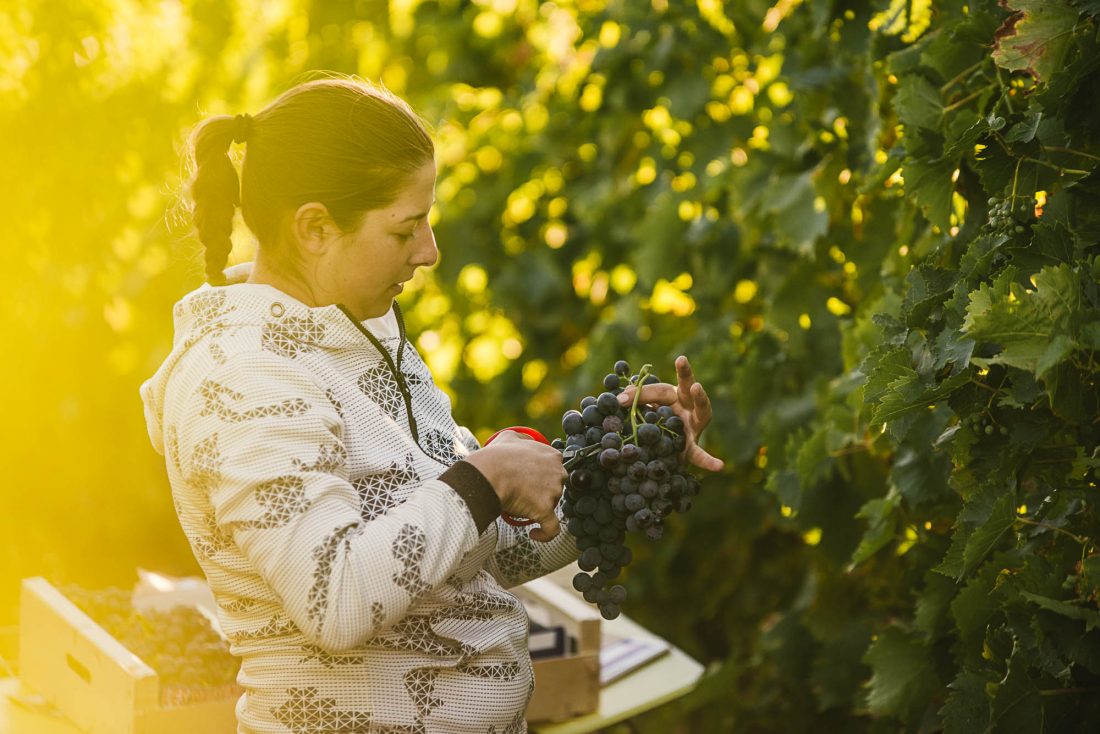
(528, 478)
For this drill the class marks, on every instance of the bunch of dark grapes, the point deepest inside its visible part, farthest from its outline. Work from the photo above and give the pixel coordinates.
(625, 477)
(179, 643)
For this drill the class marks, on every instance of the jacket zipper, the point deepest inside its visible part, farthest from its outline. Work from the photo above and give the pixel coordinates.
(394, 369)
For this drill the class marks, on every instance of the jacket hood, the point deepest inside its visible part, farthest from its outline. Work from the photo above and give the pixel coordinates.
(283, 324)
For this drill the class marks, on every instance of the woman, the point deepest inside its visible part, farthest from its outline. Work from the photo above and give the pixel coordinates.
(348, 528)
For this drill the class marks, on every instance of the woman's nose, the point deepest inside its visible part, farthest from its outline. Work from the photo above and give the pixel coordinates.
(426, 252)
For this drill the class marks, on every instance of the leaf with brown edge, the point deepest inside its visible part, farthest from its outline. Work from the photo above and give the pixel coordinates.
(1035, 37)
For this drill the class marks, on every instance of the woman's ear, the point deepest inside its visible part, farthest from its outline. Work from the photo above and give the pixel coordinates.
(313, 227)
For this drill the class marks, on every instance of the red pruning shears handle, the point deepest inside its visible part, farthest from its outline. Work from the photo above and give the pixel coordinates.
(518, 522)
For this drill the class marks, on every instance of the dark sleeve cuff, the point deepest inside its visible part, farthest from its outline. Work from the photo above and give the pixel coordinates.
(476, 491)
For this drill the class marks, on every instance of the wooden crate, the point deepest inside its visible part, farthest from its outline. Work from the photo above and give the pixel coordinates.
(565, 686)
(99, 684)
(105, 689)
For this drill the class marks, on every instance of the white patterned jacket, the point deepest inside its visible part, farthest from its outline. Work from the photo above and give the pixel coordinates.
(357, 562)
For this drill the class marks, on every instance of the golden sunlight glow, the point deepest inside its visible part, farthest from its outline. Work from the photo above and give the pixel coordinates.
(744, 291)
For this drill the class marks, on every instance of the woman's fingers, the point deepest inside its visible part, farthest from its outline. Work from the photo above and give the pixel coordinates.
(685, 379)
(703, 410)
(548, 528)
(546, 499)
(658, 393)
(690, 401)
(700, 458)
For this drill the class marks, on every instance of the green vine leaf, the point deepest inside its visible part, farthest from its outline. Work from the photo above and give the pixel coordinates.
(967, 709)
(929, 182)
(918, 102)
(881, 527)
(1033, 328)
(987, 535)
(903, 678)
(1090, 617)
(1035, 37)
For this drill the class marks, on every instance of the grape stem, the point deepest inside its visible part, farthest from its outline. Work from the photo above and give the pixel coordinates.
(642, 374)
(1077, 539)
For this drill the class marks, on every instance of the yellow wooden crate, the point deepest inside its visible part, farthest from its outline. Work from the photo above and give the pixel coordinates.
(98, 683)
(105, 689)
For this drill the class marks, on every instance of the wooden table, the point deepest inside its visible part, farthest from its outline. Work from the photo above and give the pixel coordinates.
(660, 681)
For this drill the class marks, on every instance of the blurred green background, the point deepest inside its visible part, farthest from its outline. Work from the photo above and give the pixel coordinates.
(748, 183)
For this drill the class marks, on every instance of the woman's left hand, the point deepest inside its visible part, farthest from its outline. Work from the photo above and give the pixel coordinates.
(688, 400)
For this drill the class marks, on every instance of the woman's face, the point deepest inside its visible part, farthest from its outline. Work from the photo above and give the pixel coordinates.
(367, 267)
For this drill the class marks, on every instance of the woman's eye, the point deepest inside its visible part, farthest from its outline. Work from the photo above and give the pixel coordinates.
(403, 237)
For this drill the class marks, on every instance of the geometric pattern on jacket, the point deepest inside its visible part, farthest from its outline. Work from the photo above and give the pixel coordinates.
(303, 451)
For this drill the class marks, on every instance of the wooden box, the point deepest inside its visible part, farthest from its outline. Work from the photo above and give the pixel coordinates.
(104, 688)
(570, 685)
(90, 676)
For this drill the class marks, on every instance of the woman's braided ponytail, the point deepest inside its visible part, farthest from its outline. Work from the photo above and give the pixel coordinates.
(216, 189)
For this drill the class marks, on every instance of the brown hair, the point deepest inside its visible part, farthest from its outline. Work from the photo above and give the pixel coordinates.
(339, 141)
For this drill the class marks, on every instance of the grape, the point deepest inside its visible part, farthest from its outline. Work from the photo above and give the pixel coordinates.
(591, 556)
(626, 476)
(609, 458)
(656, 470)
(608, 404)
(572, 422)
(178, 643)
(648, 434)
(592, 415)
(603, 513)
(584, 506)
